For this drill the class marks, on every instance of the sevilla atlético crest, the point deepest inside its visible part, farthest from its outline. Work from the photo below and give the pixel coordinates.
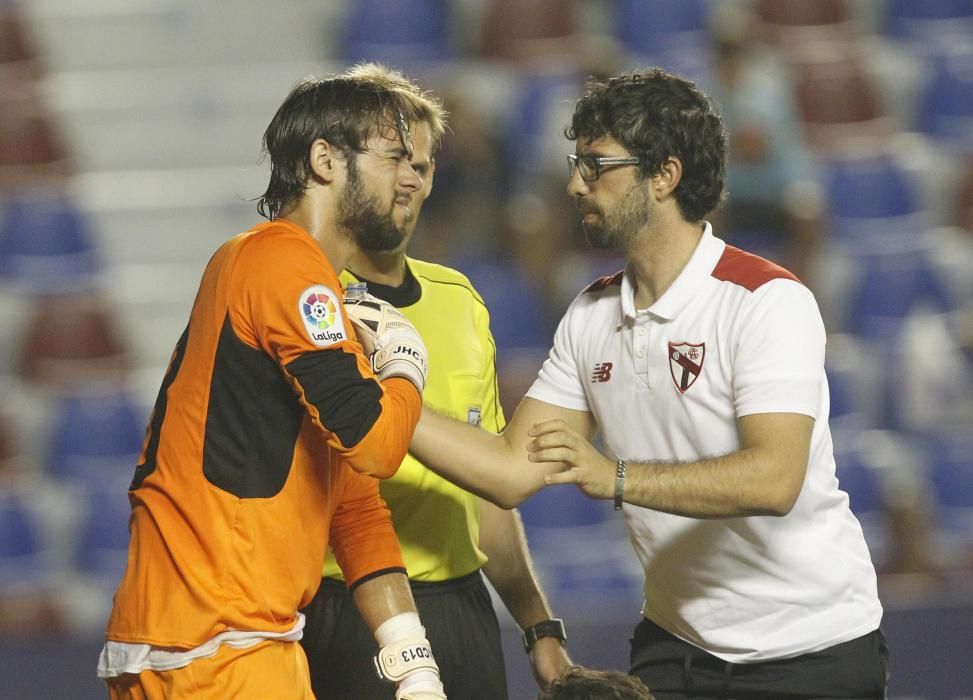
(685, 363)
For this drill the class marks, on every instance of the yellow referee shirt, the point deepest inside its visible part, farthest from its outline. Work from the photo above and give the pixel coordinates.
(438, 523)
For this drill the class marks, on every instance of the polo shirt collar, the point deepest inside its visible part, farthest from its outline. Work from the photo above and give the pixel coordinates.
(700, 267)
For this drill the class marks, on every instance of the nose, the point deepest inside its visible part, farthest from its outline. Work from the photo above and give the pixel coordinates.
(576, 184)
(409, 178)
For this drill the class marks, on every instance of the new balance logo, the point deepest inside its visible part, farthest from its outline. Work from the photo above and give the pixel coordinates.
(602, 372)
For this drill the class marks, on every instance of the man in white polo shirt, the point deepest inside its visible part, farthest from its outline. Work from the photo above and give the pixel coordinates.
(703, 368)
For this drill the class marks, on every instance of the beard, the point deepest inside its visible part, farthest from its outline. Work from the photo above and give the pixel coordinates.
(614, 229)
(363, 221)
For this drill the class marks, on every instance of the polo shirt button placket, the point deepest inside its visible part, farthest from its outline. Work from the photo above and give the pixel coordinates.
(640, 351)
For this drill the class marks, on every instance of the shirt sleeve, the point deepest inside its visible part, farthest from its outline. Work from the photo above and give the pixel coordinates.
(779, 361)
(558, 382)
(285, 299)
(362, 536)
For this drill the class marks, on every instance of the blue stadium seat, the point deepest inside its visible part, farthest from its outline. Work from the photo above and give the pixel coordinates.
(102, 549)
(929, 23)
(96, 438)
(873, 203)
(21, 552)
(45, 244)
(666, 33)
(649, 27)
(405, 34)
(859, 480)
(951, 472)
(946, 107)
(889, 288)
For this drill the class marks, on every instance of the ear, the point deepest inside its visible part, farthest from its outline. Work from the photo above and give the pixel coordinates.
(324, 160)
(668, 177)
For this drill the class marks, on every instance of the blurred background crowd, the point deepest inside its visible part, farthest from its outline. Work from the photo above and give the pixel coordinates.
(130, 149)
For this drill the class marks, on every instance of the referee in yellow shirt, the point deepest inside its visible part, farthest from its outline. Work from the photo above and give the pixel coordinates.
(447, 534)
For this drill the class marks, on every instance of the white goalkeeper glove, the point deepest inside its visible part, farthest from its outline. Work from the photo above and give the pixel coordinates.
(392, 343)
(406, 659)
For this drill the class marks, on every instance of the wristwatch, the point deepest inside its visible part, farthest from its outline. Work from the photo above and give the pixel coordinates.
(547, 628)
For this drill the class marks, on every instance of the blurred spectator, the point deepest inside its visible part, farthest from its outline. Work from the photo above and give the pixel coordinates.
(773, 203)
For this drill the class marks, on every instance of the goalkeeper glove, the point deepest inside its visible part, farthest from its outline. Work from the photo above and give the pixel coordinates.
(392, 343)
(406, 659)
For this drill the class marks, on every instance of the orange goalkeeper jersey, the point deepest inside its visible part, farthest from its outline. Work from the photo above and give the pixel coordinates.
(267, 425)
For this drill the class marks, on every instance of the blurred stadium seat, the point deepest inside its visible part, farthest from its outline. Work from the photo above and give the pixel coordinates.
(96, 437)
(838, 102)
(860, 481)
(22, 563)
(890, 286)
(931, 24)
(526, 31)
(30, 143)
(673, 35)
(17, 51)
(406, 34)
(71, 339)
(946, 107)
(46, 246)
(874, 204)
(791, 24)
(102, 547)
(951, 461)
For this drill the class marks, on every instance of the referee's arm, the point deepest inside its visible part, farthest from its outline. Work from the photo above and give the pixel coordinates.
(494, 467)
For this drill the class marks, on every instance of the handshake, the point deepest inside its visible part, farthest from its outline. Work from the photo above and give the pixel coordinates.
(388, 338)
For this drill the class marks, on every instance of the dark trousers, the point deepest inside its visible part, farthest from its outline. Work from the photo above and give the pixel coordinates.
(460, 624)
(675, 669)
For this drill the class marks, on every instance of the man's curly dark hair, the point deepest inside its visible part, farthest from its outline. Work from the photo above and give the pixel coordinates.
(656, 115)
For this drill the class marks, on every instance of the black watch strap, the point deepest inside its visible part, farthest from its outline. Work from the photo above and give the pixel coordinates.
(547, 628)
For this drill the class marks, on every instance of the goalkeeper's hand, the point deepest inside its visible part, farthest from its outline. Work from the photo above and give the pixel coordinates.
(389, 339)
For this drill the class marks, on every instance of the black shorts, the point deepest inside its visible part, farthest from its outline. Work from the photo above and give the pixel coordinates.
(675, 669)
(460, 624)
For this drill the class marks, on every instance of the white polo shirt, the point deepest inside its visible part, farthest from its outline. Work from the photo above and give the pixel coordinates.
(734, 335)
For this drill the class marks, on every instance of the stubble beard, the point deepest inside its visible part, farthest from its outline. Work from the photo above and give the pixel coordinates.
(360, 217)
(619, 225)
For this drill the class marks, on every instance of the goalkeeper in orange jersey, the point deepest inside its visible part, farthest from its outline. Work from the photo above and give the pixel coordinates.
(271, 423)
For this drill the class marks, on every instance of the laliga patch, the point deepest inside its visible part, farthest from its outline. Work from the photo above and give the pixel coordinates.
(321, 312)
(686, 363)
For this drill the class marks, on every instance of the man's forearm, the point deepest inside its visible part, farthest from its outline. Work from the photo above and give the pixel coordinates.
(511, 573)
(481, 462)
(383, 597)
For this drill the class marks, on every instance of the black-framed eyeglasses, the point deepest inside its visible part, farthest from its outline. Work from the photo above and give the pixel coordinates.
(591, 167)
